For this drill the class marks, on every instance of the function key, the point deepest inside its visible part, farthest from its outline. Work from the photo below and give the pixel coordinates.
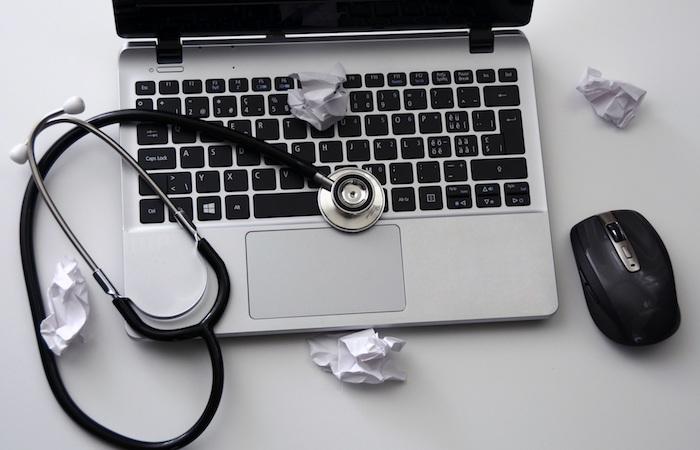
(262, 84)
(192, 86)
(485, 76)
(169, 87)
(353, 81)
(418, 78)
(145, 87)
(516, 188)
(464, 76)
(216, 86)
(238, 84)
(397, 79)
(507, 75)
(374, 80)
(442, 77)
(284, 83)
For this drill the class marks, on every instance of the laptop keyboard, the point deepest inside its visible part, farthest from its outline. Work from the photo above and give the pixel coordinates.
(441, 140)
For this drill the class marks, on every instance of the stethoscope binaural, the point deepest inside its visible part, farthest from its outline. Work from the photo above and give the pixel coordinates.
(350, 200)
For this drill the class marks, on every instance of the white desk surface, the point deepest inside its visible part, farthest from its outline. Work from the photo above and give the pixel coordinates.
(557, 384)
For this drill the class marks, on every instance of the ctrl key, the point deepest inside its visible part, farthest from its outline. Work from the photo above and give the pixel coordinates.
(458, 196)
(152, 210)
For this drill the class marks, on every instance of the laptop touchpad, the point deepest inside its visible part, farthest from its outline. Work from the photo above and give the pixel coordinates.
(315, 272)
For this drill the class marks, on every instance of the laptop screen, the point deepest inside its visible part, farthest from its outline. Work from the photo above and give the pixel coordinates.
(151, 18)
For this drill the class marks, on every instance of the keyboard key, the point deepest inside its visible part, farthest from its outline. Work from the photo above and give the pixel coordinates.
(468, 97)
(516, 188)
(499, 169)
(323, 134)
(486, 76)
(466, 145)
(246, 157)
(294, 128)
(430, 123)
(160, 179)
(305, 151)
(358, 150)
(144, 103)
(455, 171)
(484, 120)
(374, 80)
(253, 105)
(238, 85)
(192, 87)
(235, 180)
(237, 207)
(293, 204)
(361, 101)
(507, 75)
(179, 183)
(149, 134)
(349, 126)
(192, 157)
(403, 199)
(396, 79)
(441, 98)
(156, 158)
(220, 156)
(507, 95)
(284, 83)
(487, 189)
(430, 198)
(197, 107)
(215, 86)
(290, 179)
(412, 148)
(388, 100)
(385, 149)
(225, 106)
(207, 181)
(376, 125)
(518, 200)
(209, 208)
(170, 105)
(330, 151)
(183, 135)
(267, 129)
(464, 76)
(441, 77)
(491, 145)
(277, 105)
(378, 170)
(262, 84)
(242, 126)
(204, 138)
(458, 197)
(428, 172)
(439, 147)
(457, 122)
(264, 179)
(488, 202)
(145, 87)
(511, 124)
(353, 81)
(401, 173)
(169, 87)
(414, 99)
(151, 210)
(419, 78)
(403, 124)
(183, 204)
(272, 161)
(325, 170)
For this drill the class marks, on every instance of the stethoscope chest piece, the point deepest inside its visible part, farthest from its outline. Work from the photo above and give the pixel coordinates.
(354, 203)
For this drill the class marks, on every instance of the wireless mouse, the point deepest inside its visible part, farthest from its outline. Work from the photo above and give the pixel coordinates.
(627, 277)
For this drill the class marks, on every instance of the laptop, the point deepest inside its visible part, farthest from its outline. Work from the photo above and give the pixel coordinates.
(442, 111)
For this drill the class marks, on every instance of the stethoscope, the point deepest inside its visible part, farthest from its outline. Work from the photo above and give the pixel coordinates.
(350, 200)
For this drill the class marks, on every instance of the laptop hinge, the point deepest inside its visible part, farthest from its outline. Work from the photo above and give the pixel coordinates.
(481, 40)
(169, 50)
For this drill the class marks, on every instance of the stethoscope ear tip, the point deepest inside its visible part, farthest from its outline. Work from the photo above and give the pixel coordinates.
(74, 105)
(18, 153)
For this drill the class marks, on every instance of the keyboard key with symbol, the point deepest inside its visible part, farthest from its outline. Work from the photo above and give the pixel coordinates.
(458, 196)
(207, 181)
(209, 208)
(403, 199)
(156, 158)
(499, 169)
(428, 172)
(507, 75)
(511, 123)
(441, 98)
(145, 87)
(385, 149)
(358, 150)
(401, 173)
(149, 134)
(264, 179)
(215, 86)
(235, 180)
(225, 106)
(507, 95)
(169, 87)
(197, 107)
(151, 210)
(439, 147)
(238, 85)
(464, 76)
(430, 198)
(237, 207)
(252, 105)
(455, 171)
(412, 148)
(466, 145)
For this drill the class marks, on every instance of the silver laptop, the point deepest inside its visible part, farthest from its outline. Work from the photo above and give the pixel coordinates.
(446, 119)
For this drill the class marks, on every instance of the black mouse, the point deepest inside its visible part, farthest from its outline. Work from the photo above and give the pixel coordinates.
(627, 277)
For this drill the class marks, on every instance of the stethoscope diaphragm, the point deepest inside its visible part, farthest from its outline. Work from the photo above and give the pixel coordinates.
(354, 203)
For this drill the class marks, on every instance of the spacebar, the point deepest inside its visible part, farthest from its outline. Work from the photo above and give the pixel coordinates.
(285, 205)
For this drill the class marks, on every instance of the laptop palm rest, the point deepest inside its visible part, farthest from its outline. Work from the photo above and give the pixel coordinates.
(313, 272)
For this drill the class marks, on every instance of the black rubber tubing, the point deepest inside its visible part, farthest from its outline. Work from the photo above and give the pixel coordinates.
(203, 330)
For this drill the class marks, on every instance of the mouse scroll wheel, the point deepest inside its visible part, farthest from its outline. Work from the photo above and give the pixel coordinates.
(615, 231)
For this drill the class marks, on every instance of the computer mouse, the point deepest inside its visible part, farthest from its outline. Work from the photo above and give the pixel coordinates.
(627, 277)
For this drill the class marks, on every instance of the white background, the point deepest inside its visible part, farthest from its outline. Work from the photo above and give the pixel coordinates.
(558, 384)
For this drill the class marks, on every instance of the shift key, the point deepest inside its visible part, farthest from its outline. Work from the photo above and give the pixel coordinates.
(499, 169)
